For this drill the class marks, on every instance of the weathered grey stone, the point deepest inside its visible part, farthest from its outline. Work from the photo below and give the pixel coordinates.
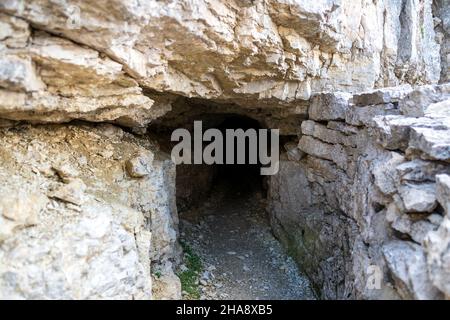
(324, 168)
(438, 109)
(73, 82)
(317, 148)
(385, 174)
(342, 127)
(138, 166)
(321, 132)
(74, 225)
(392, 132)
(437, 245)
(294, 205)
(19, 209)
(420, 229)
(419, 170)
(293, 152)
(407, 264)
(418, 197)
(442, 27)
(402, 224)
(167, 287)
(66, 172)
(381, 96)
(435, 219)
(268, 50)
(92, 247)
(86, 241)
(394, 209)
(19, 74)
(426, 135)
(308, 127)
(329, 106)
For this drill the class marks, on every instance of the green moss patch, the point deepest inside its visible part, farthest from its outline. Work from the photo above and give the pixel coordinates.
(190, 277)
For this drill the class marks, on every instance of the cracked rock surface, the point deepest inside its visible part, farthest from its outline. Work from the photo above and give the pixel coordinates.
(241, 258)
(358, 88)
(73, 223)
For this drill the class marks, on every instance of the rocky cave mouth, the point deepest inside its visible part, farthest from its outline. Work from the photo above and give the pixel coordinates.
(222, 210)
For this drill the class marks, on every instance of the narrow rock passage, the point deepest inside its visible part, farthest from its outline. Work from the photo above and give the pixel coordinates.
(241, 259)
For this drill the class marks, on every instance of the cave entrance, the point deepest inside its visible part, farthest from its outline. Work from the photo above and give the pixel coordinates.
(230, 251)
(196, 182)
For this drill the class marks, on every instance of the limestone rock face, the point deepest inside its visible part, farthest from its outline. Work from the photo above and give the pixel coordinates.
(43, 74)
(438, 242)
(74, 225)
(374, 172)
(96, 60)
(357, 88)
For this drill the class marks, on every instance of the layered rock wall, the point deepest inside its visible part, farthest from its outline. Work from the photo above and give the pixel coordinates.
(365, 194)
(442, 26)
(71, 59)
